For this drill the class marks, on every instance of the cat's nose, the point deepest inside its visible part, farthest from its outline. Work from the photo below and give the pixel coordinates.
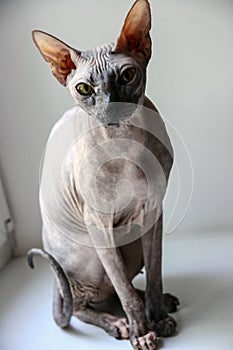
(113, 97)
(101, 105)
(107, 97)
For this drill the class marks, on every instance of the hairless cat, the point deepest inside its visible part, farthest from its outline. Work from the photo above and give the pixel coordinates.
(102, 215)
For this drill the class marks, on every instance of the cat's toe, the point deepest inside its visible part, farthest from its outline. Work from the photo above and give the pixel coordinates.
(165, 327)
(119, 329)
(146, 342)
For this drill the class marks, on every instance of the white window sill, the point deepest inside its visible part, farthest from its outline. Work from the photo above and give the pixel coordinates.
(197, 268)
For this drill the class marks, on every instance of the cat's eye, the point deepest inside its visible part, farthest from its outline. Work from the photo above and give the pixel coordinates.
(84, 89)
(128, 75)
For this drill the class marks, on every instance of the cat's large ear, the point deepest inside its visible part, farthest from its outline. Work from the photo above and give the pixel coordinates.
(134, 36)
(56, 53)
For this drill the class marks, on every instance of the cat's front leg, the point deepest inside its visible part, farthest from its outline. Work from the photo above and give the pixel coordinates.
(163, 324)
(140, 332)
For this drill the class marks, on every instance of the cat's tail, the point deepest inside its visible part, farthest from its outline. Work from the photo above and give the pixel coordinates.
(63, 312)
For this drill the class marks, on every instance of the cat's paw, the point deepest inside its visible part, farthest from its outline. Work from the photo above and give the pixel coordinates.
(146, 342)
(170, 302)
(119, 329)
(165, 327)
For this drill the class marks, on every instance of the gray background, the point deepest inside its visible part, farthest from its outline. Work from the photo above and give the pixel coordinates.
(189, 79)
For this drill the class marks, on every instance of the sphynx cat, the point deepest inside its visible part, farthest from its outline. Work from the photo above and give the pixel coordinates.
(125, 133)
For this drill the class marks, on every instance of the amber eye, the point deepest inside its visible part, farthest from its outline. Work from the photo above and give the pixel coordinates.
(84, 89)
(128, 75)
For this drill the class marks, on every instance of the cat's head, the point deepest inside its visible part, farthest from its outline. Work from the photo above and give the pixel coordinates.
(111, 73)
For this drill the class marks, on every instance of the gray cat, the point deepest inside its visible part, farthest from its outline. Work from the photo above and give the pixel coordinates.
(102, 214)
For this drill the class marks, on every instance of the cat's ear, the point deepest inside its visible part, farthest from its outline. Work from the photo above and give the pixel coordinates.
(56, 53)
(134, 36)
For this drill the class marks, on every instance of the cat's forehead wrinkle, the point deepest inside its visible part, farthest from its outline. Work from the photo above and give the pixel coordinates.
(104, 49)
(98, 58)
(98, 53)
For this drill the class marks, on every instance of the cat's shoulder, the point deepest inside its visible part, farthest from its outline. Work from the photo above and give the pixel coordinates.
(149, 104)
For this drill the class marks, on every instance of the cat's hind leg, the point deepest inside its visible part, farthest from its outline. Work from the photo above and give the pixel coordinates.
(171, 302)
(115, 326)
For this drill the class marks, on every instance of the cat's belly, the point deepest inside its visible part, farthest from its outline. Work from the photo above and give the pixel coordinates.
(66, 235)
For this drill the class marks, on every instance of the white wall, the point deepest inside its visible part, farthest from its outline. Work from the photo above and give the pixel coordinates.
(190, 79)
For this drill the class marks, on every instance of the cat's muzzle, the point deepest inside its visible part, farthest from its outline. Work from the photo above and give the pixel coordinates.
(117, 112)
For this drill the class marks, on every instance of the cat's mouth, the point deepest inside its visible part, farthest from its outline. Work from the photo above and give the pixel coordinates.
(116, 124)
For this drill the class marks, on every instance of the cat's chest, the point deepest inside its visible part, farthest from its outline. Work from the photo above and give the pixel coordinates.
(107, 167)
